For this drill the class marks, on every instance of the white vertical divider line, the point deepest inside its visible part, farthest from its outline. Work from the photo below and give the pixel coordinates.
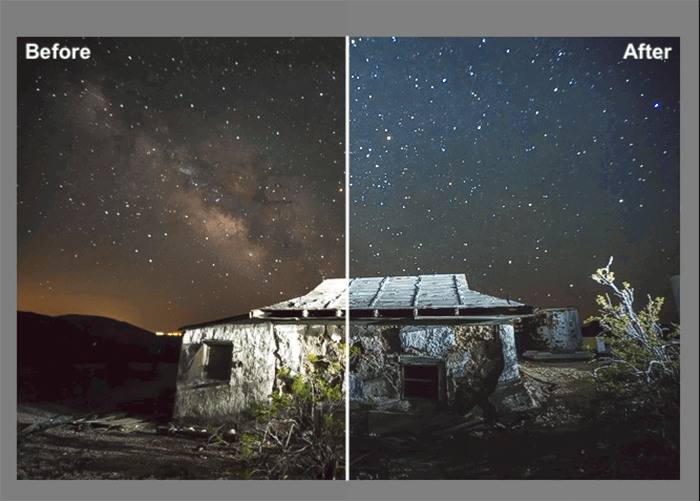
(347, 258)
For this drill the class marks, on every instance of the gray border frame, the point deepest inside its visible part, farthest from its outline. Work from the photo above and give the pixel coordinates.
(655, 18)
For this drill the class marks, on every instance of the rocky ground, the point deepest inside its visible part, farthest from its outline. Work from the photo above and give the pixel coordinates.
(557, 441)
(60, 442)
(123, 437)
(113, 445)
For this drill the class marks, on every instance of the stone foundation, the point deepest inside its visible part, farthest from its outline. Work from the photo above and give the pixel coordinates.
(458, 366)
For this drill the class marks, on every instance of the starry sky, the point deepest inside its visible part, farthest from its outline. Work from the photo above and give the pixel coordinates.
(168, 181)
(524, 163)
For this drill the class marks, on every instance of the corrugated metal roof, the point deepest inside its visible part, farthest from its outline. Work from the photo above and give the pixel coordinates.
(422, 291)
(425, 295)
(329, 299)
(444, 295)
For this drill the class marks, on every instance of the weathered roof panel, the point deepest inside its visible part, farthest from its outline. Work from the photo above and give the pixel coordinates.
(329, 299)
(422, 291)
(420, 296)
(443, 295)
(425, 295)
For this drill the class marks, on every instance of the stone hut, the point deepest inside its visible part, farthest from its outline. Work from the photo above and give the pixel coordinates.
(429, 343)
(228, 365)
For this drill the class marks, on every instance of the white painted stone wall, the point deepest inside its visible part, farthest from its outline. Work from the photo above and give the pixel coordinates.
(429, 340)
(510, 358)
(559, 329)
(259, 349)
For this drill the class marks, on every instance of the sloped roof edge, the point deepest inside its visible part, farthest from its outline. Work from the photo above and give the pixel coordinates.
(444, 295)
(419, 297)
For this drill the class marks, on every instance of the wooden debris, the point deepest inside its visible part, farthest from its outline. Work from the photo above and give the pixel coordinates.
(546, 355)
(56, 420)
(471, 423)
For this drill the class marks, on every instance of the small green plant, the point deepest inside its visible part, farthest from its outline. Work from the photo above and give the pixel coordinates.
(263, 412)
(247, 440)
(355, 351)
(216, 438)
(244, 475)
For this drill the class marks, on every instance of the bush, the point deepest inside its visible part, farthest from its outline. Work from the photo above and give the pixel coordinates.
(305, 420)
(639, 384)
(640, 354)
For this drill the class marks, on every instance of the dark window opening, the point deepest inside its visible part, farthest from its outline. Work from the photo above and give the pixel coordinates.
(421, 381)
(219, 362)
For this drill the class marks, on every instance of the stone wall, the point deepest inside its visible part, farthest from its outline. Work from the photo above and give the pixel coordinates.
(475, 358)
(258, 351)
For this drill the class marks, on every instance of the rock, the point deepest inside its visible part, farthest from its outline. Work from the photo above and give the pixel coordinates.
(357, 389)
(512, 399)
(433, 341)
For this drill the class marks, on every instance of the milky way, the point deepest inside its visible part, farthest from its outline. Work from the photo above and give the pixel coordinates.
(523, 163)
(170, 181)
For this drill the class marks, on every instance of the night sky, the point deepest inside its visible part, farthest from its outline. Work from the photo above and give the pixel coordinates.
(524, 163)
(165, 181)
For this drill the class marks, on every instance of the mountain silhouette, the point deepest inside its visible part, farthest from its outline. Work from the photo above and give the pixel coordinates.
(52, 351)
(89, 339)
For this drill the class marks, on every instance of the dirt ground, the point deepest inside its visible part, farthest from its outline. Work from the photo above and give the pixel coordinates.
(119, 444)
(113, 446)
(555, 441)
(123, 435)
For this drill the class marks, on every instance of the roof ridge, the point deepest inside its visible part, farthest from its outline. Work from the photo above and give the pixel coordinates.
(417, 285)
(379, 291)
